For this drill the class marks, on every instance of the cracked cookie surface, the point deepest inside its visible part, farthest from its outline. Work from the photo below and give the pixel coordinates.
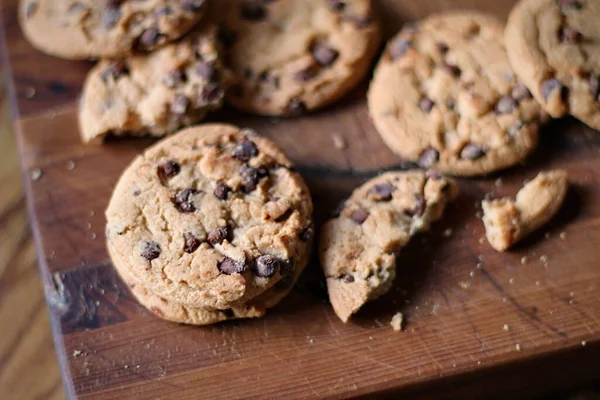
(211, 218)
(508, 221)
(295, 56)
(155, 93)
(357, 248)
(444, 95)
(80, 29)
(553, 45)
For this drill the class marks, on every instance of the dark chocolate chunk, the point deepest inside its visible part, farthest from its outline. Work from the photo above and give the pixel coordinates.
(150, 251)
(570, 35)
(222, 191)
(114, 70)
(296, 107)
(520, 92)
(174, 78)
(307, 233)
(399, 47)
(250, 177)
(111, 17)
(382, 191)
(163, 11)
(359, 215)
(230, 266)
(30, 9)
(113, 3)
(442, 47)
(226, 36)
(472, 152)
(550, 85)
(180, 105)
(567, 5)
(324, 55)
(207, 70)
(433, 174)
(337, 5)
(426, 104)
(167, 170)
(184, 202)
(218, 235)
(429, 157)
(192, 5)
(212, 92)
(506, 105)
(347, 278)
(453, 70)
(306, 74)
(419, 208)
(245, 150)
(149, 37)
(253, 10)
(266, 266)
(191, 243)
(594, 84)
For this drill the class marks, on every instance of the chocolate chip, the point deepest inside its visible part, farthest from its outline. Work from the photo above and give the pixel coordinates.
(429, 157)
(442, 47)
(113, 3)
(222, 191)
(163, 11)
(419, 209)
(296, 107)
(359, 215)
(150, 251)
(250, 177)
(336, 5)
(453, 70)
(149, 37)
(137, 192)
(285, 216)
(174, 78)
(111, 17)
(268, 78)
(307, 233)
(245, 150)
(324, 55)
(566, 5)
(218, 235)
(184, 202)
(167, 170)
(472, 152)
(433, 174)
(253, 11)
(506, 105)
(114, 70)
(229, 313)
(180, 105)
(347, 278)
(192, 5)
(594, 84)
(226, 36)
(426, 104)
(570, 35)
(360, 21)
(212, 92)
(208, 71)
(398, 48)
(515, 128)
(30, 9)
(230, 266)
(191, 243)
(266, 266)
(520, 92)
(306, 74)
(550, 85)
(382, 191)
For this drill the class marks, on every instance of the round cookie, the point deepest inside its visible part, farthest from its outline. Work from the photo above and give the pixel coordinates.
(154, 93)
(210, 218)
(444, 95)
(80, 29)
(295, 56)
(553, 46)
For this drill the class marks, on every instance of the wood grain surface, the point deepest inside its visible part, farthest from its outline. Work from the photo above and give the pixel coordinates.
(477, 320)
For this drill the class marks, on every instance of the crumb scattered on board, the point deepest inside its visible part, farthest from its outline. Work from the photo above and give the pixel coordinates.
(339, 142)
(397, 321)
(70, 165)
(77, 353)
(447, 232)
(36, 174)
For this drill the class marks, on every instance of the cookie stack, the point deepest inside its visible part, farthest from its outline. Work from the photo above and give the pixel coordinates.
(209, 225)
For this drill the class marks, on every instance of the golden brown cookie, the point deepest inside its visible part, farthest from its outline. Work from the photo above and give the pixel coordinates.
(210, 218)
(553, 46)
(358, 247)
(507, 221)
(294, 56)
(444, 95)
(80, 29)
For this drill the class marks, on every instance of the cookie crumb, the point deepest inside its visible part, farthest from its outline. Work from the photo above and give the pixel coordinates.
(93, 236)
(547, 235)
(472, 274)
(479, 363)
(70, 165)
(572, 294)
(447, 232)
(36, 174)
(506, 328)
(464, 285)
(518, 347)
(544, 258)
(499, 182)
(524, 260)
(77, 353)
(88, 226)
(30, 92)
(52, 114)
(92, 213)
(563, 235)
(97, 303)
(479, 214)
(125, 366)
(482, 240)
(584, 343)
(571, 302)
(397, 321)
(538, 283)
(511, 281)
(453, 365)
(339, 142)
(479, 265)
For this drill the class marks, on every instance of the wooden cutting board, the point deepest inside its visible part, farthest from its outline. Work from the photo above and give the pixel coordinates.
(478, 323)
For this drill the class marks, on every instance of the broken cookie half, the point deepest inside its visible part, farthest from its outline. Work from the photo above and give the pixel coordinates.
(507, 221)
(358, 246)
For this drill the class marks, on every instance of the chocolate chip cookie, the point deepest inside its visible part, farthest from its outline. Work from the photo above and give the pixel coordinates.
(358, 246)
(444, 95)
(212, 218)
(295, 56)
(507, 221)
(154, 93)
(553, 45)
(80, 29)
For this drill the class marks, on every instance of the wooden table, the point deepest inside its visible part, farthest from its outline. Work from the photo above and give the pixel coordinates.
(479, 323)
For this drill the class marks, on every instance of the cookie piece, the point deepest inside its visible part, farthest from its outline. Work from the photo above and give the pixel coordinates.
(80, 29)
(295, 56)
(155, 93)
(444, 95)
(507, 221)
(553, 46)
(210, 218)
(358, 247)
